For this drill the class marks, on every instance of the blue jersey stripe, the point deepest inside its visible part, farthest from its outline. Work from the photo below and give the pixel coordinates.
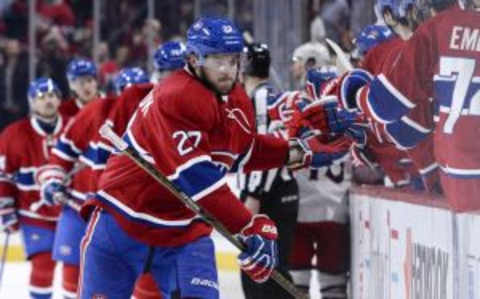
(66, 149)
(404, 135)
(384, 103)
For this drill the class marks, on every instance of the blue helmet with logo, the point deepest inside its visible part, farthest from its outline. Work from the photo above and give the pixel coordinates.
(369, 37)
(129, 76)
(213, 35)
(40, 86)
(79, 68)
(169, 56)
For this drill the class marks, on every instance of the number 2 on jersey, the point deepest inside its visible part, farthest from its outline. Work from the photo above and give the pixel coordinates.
(462, 69)
(183, 147)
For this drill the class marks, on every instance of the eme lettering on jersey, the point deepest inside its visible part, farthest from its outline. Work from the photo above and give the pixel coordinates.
(465, 38)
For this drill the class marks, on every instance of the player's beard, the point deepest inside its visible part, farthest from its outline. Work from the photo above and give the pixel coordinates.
(211, 85)
(48, 115)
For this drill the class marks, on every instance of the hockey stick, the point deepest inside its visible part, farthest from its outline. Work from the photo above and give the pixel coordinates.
(131, 153)
(4, 256)
(343, 63)
(60, 198)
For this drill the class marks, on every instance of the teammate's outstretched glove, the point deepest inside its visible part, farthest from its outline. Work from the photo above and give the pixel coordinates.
(324, 116)
(315, 150)
(260, 255)
(8, 216)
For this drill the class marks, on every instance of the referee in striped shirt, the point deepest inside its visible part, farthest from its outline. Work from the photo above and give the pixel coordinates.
(273, 192)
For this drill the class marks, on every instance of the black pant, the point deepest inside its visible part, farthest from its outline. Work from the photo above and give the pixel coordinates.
(281, 205)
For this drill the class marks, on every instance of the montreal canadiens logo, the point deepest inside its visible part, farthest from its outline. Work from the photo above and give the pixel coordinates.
(227, 28)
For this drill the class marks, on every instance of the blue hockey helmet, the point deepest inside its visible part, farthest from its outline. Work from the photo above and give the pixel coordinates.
(214, 35)
(81, 67)
(129, 76)
(40, 86)
(169, 56)
(397, 7)
(369, 37)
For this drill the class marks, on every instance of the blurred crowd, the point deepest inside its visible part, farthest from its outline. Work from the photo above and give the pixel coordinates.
(64, 30)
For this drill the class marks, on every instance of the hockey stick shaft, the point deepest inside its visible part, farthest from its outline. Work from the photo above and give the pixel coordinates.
(4, 257)
(343, 61)
(131, 153)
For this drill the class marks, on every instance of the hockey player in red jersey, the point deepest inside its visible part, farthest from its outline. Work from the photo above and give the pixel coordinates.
(24, 148)
(440, 62)
(82, 79)
(393, 158)
(75, 148)
(195, 126)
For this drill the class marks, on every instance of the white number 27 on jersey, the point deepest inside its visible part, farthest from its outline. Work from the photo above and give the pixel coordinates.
(462, 69)
(183, 136)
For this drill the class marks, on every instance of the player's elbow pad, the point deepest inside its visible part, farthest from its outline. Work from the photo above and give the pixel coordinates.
(383, 101)
(406, 134)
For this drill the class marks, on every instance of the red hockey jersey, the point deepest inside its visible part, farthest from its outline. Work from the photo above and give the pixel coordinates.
(75, 145)
(194, 137)
(441, 62)
(24, 148)
(70, 107)
(118, 117)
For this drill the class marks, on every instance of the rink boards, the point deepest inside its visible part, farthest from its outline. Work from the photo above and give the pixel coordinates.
(410, 247)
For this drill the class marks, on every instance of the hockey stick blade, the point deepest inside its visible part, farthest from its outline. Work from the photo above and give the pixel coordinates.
(108, 133)
(342, 58)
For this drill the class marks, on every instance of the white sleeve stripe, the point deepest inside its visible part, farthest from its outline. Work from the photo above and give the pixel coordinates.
(428, 169)
(70, 142)
(228, 154)
(210, 189)
(62, 155)
(415, 125)
(143, 216)
(187, 165)
(404, 100)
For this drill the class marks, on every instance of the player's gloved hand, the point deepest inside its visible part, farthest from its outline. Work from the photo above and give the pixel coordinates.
(8, 215)
(260, 255)
(326, 117)
(53, 192)
(281, 107)
(51, 179)
(348, 86)
(313, 150)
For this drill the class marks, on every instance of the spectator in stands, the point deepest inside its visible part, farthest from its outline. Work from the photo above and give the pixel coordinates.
(13, 82)
(53, 60)
(107, 66)
(57, 12)
(15, 18)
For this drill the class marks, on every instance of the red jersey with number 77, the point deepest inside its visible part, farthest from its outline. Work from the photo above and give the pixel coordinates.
(442, 61)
